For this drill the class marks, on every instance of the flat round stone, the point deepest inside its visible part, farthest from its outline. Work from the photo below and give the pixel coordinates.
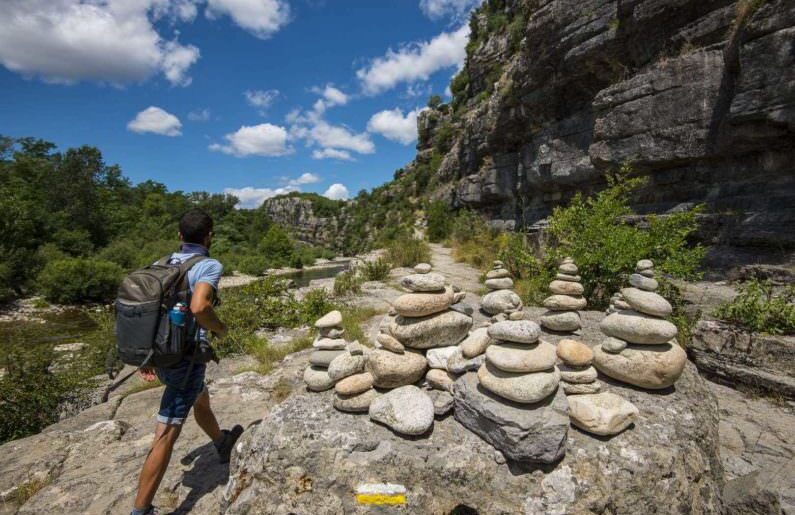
(644, 264)
(440, 379)
(648, 366)
(390, 343)
(423, 304)
(332, 332)
(405, 410)
(565, 303)
(522, 388)
(443, 402)
(329, 344)
(577, 388)
(323, 358)
(564, 321)
(317, 379)
(331, 319)
(568, 268)
(390, 370)
(574, 353)
(503, 283)
(566, 288)
(515, 331)
(359, 403)
(602, 414)
(497, 274)
(476, 343)
(429, 282)
(578, 375)
(354, 384)
(643, 283)
(438, 356)
(345, 365)
(423, 268)
(647, 273)
(639, 328)
(568, 277)
(522, 358)
(647, 302)
(500, 301)
(613, 345)
(620, 305)
(438, 330)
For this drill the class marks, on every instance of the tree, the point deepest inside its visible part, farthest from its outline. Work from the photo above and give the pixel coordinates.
(434, 101)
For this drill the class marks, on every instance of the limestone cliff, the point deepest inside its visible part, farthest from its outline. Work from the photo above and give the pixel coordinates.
(698, 95)
(301, 215)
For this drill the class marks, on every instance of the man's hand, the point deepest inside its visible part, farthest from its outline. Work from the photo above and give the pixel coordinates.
(147, 374)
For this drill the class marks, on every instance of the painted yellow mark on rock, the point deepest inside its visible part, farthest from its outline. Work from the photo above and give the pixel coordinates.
(380, 499)
(381, 493)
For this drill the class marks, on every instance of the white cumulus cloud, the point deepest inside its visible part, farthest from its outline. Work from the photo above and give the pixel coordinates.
(457, 9)
(66, 41)
(340, 138)
(304, 178)
(200, 115)
(332, 153)
(262, 99)
(157, 121)
(393, 125)
(258, 140)
(417, 61)
(250, 198)
(337, 191)
(262, 18)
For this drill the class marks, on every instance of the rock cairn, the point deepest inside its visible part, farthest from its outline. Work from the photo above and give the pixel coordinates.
(577, 374)
(640, 348)
(501, 297)
(566, 300)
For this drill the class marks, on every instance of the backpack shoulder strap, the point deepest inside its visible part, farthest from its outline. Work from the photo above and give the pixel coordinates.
(185, 267)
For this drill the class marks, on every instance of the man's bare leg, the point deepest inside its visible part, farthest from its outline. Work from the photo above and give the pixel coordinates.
(205, 417)
(156, 463)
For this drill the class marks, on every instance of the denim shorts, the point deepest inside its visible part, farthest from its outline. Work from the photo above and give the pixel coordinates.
(179, 395)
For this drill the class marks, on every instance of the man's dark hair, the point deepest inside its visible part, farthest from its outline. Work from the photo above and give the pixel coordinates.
(195, 225)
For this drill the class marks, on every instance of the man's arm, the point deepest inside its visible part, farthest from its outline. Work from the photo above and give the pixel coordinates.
(201, 305)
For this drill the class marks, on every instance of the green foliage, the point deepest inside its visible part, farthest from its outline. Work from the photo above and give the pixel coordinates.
(443, 138)
(277, 246)
(458, 87)
(408, 251)
(76, 280)
(434, 101)
(440, 221)
(594, 231)
(252, 265)
(760, 309)
(347, 283)
(376, 270)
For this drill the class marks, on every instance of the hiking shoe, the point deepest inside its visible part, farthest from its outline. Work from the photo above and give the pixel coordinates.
(228, 443)
(149, 511)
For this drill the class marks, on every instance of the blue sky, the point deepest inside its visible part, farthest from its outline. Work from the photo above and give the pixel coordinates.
(253, 97)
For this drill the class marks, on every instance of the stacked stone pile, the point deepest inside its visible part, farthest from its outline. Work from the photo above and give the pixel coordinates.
(328, 345)
(577, 374)
(501, 298)
(566, 300)
(641, 347)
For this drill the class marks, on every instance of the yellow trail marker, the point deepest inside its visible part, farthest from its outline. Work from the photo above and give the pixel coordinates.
(381, 494)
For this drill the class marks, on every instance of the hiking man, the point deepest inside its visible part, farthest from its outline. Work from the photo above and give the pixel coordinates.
(184, 382)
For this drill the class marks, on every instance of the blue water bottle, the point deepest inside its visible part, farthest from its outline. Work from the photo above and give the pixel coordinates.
(178, 313)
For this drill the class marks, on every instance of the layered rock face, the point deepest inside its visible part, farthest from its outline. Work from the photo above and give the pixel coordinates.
(298, 215)
(699, 96)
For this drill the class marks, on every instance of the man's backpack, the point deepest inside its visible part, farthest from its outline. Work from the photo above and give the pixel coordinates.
(145, 335)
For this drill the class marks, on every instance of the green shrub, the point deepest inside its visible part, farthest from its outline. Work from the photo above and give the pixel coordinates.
(408, 251)
(440, 221)
(434, 101)
(376, 270)
(252, 265)
(758, 308)
(594, 231)
(443, 138)
(346, 283)
(76, 280)
(277, 247)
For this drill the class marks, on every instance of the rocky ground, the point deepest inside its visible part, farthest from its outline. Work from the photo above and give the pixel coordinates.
(89, 463)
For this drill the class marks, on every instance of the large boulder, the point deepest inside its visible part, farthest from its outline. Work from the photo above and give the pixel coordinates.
(647, 366)
(439, 330)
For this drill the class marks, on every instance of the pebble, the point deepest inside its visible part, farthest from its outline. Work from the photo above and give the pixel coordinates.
(515, 331)
(355, 348)
(331, 319)
(359, 403)
(415, 305)
(517, 315)
(578, 375)
(329, 344)
(440, 379)
(423, 268)
(648, 366)
(459, 297)
(577, 389)
(345, 365)
(566, 288)
(390, 343)
(437, 357)
(635, 327)
(357, 383)
(568, 277)
(497, 274)
(430, 282)
(574, 353)
(568, 268)
(644, 283)
(332, 332)
(457, 364)
(621, 304)
(391, 370)
(460, 307)
(522, 358)
(613, 345)
(564, 321)
(647, 302)
(644, 264)
(442, 402)
(476, 343)
(565, 303)
(317, 379)
(522, 388)
(323, 358)
(647, 273)
(504, 283)
(602, 414)
(500, 301)
(406, 410)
